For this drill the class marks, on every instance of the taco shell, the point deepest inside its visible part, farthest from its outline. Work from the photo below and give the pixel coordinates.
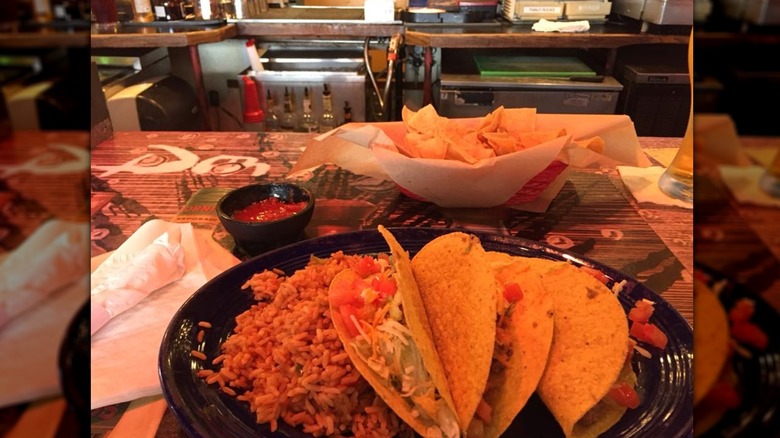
(530, 326)
(589, 349)
(458, 293)
(415, 316)
(711, 340)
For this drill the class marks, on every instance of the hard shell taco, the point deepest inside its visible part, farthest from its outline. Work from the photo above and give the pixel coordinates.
(458, 357)
(377, 313)
(588, 382)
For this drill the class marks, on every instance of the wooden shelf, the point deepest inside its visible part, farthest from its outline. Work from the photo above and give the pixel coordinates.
(44, 38)
(263, 28)
(523, 37)
(162, 36)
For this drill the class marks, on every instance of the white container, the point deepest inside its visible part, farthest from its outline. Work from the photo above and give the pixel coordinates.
(379, 11)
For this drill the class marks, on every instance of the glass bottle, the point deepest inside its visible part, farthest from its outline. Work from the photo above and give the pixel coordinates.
(347, 112)
(288, 121)
(142, 11)
(271, 113)
(328, 119)
(308, 123)
(168, 10)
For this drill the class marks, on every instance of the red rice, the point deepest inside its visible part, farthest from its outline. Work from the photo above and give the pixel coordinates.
(284, 358)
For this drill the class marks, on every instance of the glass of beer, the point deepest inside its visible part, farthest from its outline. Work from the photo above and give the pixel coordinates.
(770, 180)
(677, 180)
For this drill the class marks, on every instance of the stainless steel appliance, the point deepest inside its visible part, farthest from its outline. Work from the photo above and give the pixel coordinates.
(476, 96)
(120, 68)
(164, 103)
(667, 12)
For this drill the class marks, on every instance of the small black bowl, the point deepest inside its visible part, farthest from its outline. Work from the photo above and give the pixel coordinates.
(257, 237)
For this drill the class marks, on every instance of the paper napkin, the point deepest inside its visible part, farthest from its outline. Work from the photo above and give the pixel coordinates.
(125, 350)
(47, 279)
(125, 279)
(544, 25)
(642, 182)
(53, 256)
(743, 184)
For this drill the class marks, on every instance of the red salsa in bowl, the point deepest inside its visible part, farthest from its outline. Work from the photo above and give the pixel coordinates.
(268, 210)
(263, 216)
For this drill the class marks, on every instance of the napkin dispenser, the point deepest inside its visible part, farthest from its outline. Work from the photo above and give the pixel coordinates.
(163, 103)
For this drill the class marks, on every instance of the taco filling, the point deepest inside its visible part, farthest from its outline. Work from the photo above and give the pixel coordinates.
(379, 338)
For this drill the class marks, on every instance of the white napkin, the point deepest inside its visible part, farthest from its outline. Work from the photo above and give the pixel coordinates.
(53, 256)
(642, 182)
(743, 184)
(545, 25)
(125, 279)
(50, 283)
(124, 352)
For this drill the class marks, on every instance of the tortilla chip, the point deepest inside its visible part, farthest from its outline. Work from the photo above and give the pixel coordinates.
(710, 340)
(424, 120)
(596, 144)
(501, 142)
(416, 319)
(534, 138)
(531, 321)
(432, 147)
(518, 120)
(458, 293)
(590, 343)
(492, 121)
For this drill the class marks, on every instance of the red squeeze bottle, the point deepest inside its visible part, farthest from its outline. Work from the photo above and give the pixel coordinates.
(253, 115)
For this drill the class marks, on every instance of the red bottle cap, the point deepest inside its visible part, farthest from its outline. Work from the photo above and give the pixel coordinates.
(252, 111)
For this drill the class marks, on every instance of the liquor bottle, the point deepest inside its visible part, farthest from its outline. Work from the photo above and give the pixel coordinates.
(168, 10)
(271, 113)
(347, 112)
(308, 123)
(328, 119)
(288, 121)
(142, 11)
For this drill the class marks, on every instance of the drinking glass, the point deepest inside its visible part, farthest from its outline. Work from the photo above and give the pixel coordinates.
(106, 15)
(677, 180)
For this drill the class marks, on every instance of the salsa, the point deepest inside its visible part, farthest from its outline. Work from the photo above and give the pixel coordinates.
(268, 210)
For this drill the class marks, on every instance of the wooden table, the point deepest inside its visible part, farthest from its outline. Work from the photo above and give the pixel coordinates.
(593, 215)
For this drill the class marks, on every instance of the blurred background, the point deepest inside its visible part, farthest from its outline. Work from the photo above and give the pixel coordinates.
(44, 211)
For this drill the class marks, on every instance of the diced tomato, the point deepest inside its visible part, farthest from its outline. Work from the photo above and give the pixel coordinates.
(750, 334)
(649, 333)
(348, 293)
(625, 395)
(347, 311)
(513, 292)
(724, 394)
(385, 286)
(598, 275)
(742, 311)
(366, 266)
(641, 312)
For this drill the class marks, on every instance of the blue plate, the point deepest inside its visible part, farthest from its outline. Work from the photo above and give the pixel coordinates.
(758, 375)
(665, 380)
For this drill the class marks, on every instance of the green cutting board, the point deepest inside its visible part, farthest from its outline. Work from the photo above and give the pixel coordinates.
(532, 66)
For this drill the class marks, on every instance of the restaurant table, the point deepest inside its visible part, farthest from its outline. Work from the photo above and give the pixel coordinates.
(140, 176)
(43, 176)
